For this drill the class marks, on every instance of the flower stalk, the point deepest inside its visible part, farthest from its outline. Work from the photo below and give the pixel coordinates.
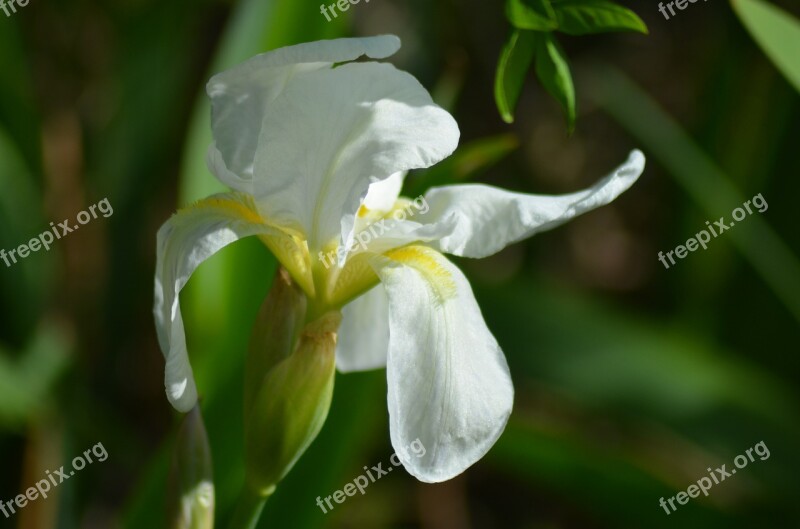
(288, 391)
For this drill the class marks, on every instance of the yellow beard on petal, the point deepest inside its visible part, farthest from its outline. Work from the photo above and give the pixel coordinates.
(358, 275)
(290, 250)
(426, 261)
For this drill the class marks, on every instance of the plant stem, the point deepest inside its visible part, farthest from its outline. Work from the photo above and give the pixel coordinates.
(248, 509)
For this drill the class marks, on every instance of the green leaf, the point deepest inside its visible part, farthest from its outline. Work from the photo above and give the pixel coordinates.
(536, 14)
(583, 17)
(514, 62)
(553, 72)
(776, 32)
(702, 178)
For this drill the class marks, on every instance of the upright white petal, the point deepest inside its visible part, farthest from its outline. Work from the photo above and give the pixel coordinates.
(363, 341)
(448, 380)
(331, 133)
(187, 239)
(240, 96)
(479, 220)
(380, 198)
(382, 195)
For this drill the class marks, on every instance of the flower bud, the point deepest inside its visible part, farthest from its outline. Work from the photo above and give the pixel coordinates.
(192, 505)
(291, 405)
(275, 332)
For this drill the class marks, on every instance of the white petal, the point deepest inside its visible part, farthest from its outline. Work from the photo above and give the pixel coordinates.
(364, 333)
(381, 197)
(480, 220)
(449, 385)
(330, 133)
(239, 97)
(187, 239)
(382, 194)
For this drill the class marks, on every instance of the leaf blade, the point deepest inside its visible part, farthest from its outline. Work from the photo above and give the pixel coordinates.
(553, 72)
(776, 32)
(585, 17)
(538, 16)
(514, 61)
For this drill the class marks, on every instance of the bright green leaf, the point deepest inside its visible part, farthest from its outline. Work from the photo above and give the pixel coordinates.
(535, 14)
(777, 32)
(553, 72)
(514, 62)
(582, 17)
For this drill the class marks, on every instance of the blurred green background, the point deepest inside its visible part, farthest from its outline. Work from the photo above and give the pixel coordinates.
(631, 379)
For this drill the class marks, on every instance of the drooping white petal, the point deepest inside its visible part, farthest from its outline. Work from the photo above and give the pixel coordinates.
(480, 220)
(448, 380)
(187, 239)
(330, 133)
(240, 96)
(364, 333)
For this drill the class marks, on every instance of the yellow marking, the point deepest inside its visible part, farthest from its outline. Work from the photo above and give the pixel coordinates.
(241, 208)
(399, 204)
(290, 250)
(363, 211)
(356, 278)
(425, 261)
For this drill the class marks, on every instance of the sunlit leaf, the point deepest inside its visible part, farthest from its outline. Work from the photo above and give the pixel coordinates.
(581, 17)
(533, 14)
(776, 31)
(514, 63)
(553, 72)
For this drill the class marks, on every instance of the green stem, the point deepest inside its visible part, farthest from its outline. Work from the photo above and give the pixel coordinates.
(248, 509)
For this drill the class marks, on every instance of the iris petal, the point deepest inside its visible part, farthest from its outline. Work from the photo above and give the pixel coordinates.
(240, 97)
(186, 240)
(332, 133)
(478, 220)
(449, 384)
(364, 334)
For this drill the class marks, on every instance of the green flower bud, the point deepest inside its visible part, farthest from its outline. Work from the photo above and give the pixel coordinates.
(275, 333)
(291, 405)
(192, 503)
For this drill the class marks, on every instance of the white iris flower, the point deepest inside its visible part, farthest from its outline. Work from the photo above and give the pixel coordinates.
(314, 147)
